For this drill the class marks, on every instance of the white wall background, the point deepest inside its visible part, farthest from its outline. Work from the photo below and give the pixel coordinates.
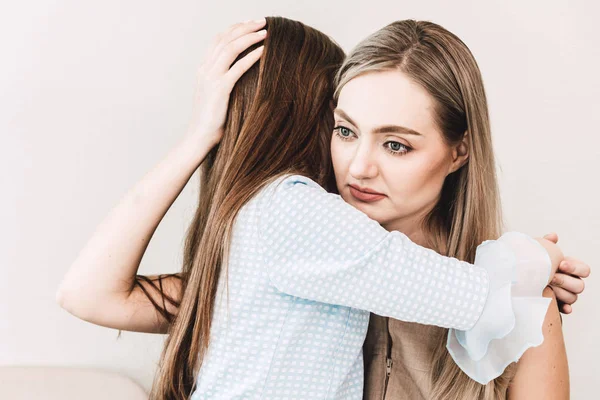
(93, 94)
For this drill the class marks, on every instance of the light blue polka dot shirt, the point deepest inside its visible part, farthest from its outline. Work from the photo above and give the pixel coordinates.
(304, 271)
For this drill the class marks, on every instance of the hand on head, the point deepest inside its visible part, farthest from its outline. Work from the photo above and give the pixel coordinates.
(217, 77)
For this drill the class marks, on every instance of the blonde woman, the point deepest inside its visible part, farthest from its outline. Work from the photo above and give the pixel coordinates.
(279, 275)
(412, 149)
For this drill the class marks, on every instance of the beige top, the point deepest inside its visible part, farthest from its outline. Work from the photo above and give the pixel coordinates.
(411, 347)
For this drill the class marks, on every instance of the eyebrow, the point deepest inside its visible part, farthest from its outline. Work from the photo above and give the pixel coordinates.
(380, 129)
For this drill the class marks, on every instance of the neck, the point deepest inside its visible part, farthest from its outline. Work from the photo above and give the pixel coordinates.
(413, 228)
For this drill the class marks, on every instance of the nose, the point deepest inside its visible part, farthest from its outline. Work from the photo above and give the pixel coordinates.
(363, 164)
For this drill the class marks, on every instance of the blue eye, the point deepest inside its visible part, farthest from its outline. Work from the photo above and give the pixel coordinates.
(343, 132)
(397, 148)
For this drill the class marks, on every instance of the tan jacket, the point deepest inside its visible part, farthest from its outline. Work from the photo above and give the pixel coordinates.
(398, 359)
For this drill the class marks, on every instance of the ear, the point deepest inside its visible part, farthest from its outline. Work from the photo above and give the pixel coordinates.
(460, 154)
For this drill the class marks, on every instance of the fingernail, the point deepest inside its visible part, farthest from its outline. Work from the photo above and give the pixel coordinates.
(262, 32)
(258, 21)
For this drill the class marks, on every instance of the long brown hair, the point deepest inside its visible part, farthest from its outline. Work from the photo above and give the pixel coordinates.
(468, 211)
(279, 121)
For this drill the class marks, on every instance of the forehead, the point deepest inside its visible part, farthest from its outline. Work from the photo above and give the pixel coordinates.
(387, 98)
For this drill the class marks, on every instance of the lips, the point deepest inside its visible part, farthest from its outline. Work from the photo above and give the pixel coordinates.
(364, 194)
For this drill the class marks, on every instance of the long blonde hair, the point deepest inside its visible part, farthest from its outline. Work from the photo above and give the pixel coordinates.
(468, 211)
(279, 121)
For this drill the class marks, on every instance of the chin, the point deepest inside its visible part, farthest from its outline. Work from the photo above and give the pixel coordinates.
(372, 211)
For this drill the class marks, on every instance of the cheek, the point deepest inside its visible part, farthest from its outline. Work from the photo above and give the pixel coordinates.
(418, 181)
(338, 157)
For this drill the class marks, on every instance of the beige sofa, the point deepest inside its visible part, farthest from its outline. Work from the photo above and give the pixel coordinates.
(60, 383)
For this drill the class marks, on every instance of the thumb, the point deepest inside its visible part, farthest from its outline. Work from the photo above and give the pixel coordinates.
(553, 237)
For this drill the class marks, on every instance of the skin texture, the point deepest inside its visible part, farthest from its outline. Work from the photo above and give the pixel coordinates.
(543, 371)
(410, 178)
(409, 170)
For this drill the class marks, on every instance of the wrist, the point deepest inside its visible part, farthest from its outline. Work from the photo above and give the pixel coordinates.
(191, 152)
(554, 253)
(198, 142)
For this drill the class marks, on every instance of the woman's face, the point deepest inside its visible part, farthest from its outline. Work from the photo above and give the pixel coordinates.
(386, 142)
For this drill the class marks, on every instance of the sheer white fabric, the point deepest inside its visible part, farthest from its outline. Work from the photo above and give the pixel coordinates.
(511, 321)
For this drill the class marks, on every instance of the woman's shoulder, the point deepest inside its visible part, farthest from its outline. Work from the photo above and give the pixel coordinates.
(289, 193)
(286, 183)
(287, 180)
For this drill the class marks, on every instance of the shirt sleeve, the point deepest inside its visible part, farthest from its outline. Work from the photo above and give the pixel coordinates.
(318, 247)
(512, 319)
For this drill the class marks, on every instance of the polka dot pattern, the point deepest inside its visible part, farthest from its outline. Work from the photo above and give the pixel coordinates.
(305, 270)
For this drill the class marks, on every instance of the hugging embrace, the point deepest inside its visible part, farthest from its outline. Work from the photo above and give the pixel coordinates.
(348, 238)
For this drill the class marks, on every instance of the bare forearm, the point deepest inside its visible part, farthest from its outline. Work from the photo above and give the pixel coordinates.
(101, 281)
(108, 263)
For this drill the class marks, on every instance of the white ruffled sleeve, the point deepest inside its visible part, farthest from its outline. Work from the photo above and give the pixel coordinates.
(512, 318)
